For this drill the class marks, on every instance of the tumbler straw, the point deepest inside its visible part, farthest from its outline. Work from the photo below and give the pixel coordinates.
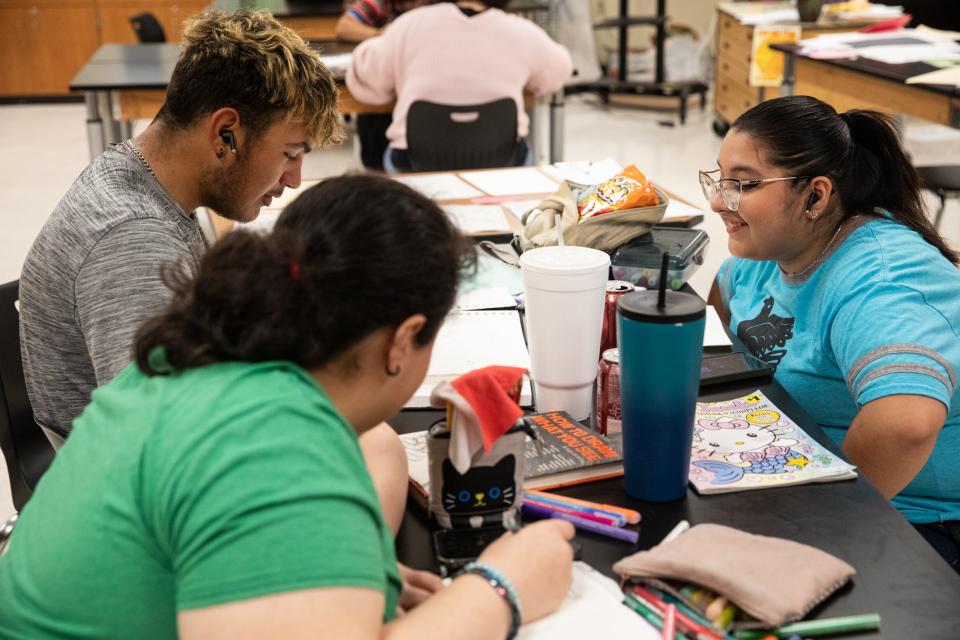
(662, 297)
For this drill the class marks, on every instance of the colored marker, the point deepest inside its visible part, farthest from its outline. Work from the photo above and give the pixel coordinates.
(618, 519)
(602, 519)
(690, 622)
(643, 610)
(831, 626)
(539, 511)
(669, 623)
(632, 516)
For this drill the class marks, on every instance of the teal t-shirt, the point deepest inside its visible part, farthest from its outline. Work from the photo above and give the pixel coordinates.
(879, 317)
(222, 483)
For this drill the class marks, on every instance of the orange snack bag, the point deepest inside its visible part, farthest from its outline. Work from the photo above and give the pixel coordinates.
(626, 190)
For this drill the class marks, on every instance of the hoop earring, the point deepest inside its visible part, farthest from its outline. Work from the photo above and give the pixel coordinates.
(220, 152)
(393, 373)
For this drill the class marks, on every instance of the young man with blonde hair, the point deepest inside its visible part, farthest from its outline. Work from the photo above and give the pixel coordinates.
(247, 99)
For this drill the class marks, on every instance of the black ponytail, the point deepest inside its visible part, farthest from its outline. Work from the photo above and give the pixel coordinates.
(859, 151)
(349, 256)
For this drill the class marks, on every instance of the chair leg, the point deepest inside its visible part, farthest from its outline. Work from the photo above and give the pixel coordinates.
(943, 205)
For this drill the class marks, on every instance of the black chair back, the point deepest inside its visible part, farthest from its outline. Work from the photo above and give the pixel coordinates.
(446, 138)
(147, 28)
(26, 449)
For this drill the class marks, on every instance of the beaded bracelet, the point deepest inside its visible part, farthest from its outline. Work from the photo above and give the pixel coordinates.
(503, 587)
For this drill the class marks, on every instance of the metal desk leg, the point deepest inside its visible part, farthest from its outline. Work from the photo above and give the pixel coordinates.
(789, 74)
(556, 127)
(111, 128)
(95, 143)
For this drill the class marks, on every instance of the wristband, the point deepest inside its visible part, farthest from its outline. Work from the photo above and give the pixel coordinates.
(503, 587)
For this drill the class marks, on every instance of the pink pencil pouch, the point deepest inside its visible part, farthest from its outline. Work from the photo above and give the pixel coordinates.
(775, 581)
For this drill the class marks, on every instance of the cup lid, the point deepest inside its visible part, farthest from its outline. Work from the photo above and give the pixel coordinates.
(566, 260)
(679, 307)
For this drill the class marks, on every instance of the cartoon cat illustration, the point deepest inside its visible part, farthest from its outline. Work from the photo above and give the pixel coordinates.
(744, 448)
(479, 491)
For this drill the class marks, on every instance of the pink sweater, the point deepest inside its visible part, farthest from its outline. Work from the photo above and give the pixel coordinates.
(437, 53)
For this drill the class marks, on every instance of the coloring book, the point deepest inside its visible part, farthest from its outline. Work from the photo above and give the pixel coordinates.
(748, 443)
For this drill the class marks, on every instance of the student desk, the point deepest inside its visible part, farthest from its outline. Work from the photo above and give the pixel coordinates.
(898, 576)
(136, 75)
(869, 84)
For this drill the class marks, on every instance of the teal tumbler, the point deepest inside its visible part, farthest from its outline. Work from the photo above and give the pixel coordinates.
(661, 347)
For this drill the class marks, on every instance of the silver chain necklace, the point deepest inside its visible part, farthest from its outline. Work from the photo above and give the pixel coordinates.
(819, 259)
(137, 153)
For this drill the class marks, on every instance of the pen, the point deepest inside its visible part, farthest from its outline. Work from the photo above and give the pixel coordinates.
(618, 518)
(539, 511)
(681, 527)
(632, 516)
(601, 518)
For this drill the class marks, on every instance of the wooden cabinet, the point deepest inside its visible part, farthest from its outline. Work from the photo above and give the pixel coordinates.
(732, 91)
(44, 43)
(115, 17)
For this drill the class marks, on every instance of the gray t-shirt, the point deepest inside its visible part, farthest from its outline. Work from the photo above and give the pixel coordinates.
(93, 276)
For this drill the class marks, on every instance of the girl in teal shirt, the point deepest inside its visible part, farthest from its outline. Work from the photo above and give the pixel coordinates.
(839, 280)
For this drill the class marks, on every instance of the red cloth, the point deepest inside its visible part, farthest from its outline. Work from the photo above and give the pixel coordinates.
(493, 393)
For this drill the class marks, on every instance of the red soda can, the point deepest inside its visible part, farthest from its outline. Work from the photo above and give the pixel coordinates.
(609, 414)
(608, 332)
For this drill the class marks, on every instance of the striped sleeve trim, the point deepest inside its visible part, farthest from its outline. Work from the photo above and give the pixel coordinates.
(894, 349)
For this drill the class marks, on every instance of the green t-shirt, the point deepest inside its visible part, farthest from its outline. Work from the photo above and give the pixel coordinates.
(222, 483)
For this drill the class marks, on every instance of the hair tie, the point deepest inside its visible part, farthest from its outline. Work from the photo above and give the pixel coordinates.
(294, 270)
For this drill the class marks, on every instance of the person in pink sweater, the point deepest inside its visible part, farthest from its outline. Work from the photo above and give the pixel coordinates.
(458, 53)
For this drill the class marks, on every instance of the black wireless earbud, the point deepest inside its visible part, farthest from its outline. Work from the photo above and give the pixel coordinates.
(227, 136)
(811, 200)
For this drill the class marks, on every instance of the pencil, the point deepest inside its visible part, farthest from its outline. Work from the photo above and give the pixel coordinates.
(541, 511)
(669, 622)
(617, 518)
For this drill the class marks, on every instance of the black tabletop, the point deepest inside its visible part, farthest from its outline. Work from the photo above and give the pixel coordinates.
(875, 68)
(898, 576)
(287, 8)
(118, 67)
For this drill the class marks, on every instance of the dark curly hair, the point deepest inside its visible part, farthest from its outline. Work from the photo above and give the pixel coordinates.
(351, 255)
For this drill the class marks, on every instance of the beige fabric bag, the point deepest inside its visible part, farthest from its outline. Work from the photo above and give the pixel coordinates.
(741, 566)
(605, 232)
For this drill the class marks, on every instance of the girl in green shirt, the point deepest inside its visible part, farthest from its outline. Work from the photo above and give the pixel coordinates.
(215, 488)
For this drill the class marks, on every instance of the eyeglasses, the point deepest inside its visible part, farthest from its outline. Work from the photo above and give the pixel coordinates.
(731, 189)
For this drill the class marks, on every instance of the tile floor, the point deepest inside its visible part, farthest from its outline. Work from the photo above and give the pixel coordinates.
(43, 148)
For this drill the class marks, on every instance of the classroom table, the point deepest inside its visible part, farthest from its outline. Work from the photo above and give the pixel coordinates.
(135, 76)
(898, 575)
(861, 83)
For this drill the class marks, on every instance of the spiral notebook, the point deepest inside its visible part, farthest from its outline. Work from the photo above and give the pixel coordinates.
(471, 340)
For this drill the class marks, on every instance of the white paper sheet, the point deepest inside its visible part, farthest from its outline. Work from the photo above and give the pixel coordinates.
(948, 76)
(593, 608)
(520, 207)
(713, 333)
(585, 171)
(477, 218)
(486, 298)
(506, 182)
(263, 222)
(471, 340)
(677, 209)
(441, 186)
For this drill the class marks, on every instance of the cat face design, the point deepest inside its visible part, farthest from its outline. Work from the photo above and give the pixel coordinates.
(727, 436)
(480, 489)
